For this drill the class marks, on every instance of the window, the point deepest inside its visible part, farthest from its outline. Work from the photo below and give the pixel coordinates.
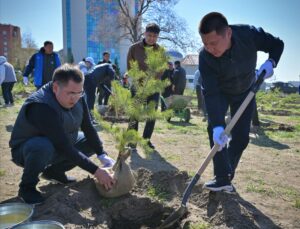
(4, 32)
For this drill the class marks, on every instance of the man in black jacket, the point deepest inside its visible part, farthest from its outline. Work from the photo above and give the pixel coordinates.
(167, 75)
(227, 65)
(46, 138)
(103, 93)
(179, 79)
(101, 74)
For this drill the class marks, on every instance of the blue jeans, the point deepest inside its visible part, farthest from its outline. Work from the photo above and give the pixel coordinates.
(38, 153)
(226, 161)
(6, 91)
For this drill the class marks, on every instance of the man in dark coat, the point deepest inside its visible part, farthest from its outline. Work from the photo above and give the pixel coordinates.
(227, 65)
(46, 137)
(179, 79)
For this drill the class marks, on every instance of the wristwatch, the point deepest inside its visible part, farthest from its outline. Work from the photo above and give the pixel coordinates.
(273, 62)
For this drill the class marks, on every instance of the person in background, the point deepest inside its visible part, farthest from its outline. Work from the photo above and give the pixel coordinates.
(43, 65)
(103, 93)
(90, 63)
(200, 98)
(103, 73)
(106, 58)
(137, 52)
(167, 75)
(55, 146)
(227, 64)
(9, 78)
(179, 79)
(83, 68)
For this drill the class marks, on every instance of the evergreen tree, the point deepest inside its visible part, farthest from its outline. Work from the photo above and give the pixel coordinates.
(145, 83)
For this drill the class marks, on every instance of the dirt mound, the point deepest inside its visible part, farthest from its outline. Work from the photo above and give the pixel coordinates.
(155, 196)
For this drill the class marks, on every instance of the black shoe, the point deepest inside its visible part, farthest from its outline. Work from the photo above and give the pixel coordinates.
(217, 186)
(31, 195)
(150, 145)
(60, 178)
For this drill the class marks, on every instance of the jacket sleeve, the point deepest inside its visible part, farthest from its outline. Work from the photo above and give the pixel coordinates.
(211, 92)
(30, 66)
(267, 43)
(129, 57)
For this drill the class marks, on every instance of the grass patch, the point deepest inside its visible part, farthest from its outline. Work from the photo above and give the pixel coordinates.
(259, 186)
(202, 225)
(191, 173)
(2, 172)
(156, 192)
(297, 203)
(172, 158)
(275, 191)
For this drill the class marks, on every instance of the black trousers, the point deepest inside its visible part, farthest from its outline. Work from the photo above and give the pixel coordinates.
(7, 92)
(103, 94)
(149, 127)
(226, 161)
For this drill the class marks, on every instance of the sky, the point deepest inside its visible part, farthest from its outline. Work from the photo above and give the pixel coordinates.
(43, 19)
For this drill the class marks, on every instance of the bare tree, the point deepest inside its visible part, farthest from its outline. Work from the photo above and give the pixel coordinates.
(22, 54)
(128, 17)
(174, 30)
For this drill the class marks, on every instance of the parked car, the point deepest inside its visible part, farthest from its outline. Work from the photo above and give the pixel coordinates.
(287, 88)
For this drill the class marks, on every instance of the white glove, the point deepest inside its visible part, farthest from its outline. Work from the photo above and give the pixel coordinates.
(268, 67)
(25, 80)
(219, 138)
(106, 160)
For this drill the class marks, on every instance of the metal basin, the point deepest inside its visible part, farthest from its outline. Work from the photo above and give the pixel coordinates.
(43, 224)
(12, 214)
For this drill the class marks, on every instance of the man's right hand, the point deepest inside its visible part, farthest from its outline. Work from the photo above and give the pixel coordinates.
(104, 178)
(25, 80)
(219, 137)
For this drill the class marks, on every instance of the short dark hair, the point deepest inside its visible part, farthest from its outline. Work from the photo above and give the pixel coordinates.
(104, 53)
(213, 21)
(177, 62)
(152, 28)
(48, 43)
(67, 72)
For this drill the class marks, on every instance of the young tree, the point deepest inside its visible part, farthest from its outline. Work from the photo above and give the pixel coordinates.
(146, 83)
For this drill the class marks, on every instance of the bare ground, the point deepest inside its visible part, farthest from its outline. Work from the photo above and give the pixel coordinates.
(267, 182)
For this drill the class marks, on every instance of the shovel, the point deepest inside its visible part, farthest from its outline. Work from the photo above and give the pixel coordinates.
(183, 208)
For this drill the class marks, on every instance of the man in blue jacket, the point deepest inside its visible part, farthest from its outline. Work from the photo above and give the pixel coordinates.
(43, 64)
(227, 65)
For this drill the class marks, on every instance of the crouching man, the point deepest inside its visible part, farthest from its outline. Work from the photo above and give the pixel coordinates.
(46, 138)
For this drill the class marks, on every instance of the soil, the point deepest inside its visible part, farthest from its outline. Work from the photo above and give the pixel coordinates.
(161, 179)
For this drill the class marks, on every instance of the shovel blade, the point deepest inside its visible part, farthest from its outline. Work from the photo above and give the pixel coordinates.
(174, 217)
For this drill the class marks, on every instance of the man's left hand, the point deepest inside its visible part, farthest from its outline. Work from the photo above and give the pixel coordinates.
(267, 67)
(106, 160)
